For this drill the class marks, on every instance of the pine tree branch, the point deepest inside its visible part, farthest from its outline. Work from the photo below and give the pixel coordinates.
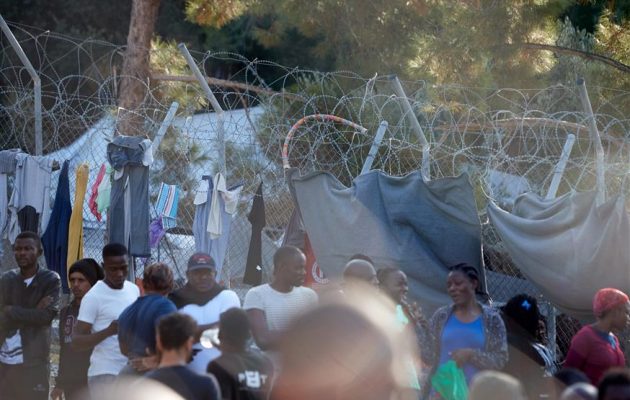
(578, 53)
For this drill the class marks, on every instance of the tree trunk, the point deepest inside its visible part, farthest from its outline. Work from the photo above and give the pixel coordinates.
(135, 69)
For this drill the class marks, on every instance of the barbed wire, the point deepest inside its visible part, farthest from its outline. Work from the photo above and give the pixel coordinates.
(507, 140)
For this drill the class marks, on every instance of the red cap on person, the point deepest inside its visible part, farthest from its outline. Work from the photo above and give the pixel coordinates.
(607, 299)
(201, 261)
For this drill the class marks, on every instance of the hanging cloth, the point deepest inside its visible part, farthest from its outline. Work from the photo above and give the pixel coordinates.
(29, 206)
(215, 221)
(55, 239)
(569, 247)
(253, 268)
(420, 227)
(216, 216)
(92, 201)
(228, 201)
(166, 205)
(75, 231)
(104, 191)
(202, 201)
(129, 199)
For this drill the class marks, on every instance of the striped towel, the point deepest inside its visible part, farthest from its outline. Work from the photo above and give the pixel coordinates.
(166, 205)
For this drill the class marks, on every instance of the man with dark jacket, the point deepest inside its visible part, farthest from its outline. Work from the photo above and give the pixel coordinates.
(29, 300)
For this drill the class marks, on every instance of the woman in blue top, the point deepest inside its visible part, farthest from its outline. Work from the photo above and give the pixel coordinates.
(471, 334)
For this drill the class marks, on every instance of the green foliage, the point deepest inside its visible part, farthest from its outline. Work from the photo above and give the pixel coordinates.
(166, 59)
(215, 13)
(361, 36)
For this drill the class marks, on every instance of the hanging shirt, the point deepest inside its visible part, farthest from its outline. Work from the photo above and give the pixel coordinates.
(253, 268)
(92, 201)
(104, 191)
(75, 231)
(223, 200)
(55, 239)
(166, 205)
(29, 206)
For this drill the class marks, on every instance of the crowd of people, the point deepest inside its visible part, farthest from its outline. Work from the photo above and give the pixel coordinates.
(361, 339)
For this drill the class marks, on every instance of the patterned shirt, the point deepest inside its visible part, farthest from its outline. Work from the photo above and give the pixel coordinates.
(494, 354)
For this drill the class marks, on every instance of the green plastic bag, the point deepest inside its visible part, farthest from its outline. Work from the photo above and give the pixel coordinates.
(449, 381)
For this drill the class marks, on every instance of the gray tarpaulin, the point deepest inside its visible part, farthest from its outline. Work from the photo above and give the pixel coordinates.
(419, 227)
(569, 247)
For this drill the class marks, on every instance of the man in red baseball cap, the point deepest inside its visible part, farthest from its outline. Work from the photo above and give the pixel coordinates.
(204, 300)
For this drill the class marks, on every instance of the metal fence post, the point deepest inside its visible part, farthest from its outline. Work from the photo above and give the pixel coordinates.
(559, 170)
(411, 116)
(595, 138)
(37, 85)
(552, 333)
(166, 122)
(213, 101)
(367, 165)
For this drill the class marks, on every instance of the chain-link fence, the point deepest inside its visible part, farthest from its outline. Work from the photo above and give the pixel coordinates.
(507, 140)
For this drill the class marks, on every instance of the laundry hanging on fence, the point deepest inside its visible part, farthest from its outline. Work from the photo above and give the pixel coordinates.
(569, 247)
(166, 205)
(104, 191)
(129, 199)
(420, 227)
(202, 201)
(253, 267)
(29, 206)
(166, 211)
(55, 239)
(294, 233)
(7, 166)
(92, 201)
(75, 230)
(213, 218)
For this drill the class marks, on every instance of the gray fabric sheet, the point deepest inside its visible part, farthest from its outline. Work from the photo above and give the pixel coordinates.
(129, 211)
(568, 247)
(419, 227)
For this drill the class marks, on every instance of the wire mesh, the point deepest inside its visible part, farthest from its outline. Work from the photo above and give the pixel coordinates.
(507, 140)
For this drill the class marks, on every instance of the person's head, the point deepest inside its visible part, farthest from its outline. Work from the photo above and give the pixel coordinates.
(27, 249)
(176, 332)
(580, 391)
(201, 272)
(494, 385)
(288, 266)
(615, 385)
(393, 282)
(234, 329)
(523, 311)
(462, 283)
(82, 275)
(115, 264)
(359, 271)
(612, 306)
(567, 377)
(343, 353)
(157, 278)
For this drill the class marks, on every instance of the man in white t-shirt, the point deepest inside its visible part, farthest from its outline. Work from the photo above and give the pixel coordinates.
(205, 300)
(97, 325)
(271, 307)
